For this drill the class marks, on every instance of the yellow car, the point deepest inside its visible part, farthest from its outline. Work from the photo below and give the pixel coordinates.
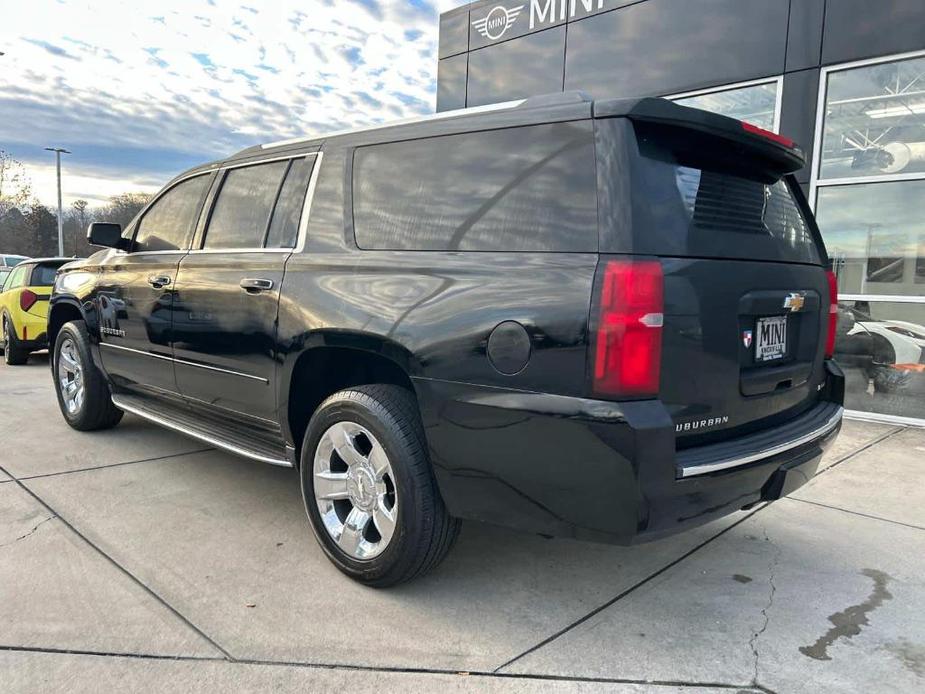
(24, 307)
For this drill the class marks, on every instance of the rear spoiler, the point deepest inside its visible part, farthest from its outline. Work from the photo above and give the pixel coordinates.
(783, 152)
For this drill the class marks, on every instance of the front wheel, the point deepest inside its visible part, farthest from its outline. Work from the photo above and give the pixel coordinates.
(368, 487)
(83, 394)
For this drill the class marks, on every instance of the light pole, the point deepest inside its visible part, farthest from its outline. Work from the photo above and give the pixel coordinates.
(58, 152)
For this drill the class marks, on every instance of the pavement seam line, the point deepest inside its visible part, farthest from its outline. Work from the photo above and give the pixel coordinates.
(857, 513)
(675, 562)
(111, 465)
(620, 596)
(398, 670)
(150, 591)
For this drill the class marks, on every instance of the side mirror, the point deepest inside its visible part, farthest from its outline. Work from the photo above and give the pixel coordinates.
(107, 235)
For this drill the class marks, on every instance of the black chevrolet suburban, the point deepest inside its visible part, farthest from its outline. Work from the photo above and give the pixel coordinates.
(607, 320)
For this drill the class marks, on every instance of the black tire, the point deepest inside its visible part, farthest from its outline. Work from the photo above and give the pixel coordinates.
(13, 354)
(97, 410)
(424, 530)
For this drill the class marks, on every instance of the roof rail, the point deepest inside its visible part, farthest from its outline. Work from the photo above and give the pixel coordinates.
(555, 99)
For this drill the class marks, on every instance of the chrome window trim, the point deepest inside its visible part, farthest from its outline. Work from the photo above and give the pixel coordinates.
(207, 438)
(776, 79)
(184, 362)
(818, 432)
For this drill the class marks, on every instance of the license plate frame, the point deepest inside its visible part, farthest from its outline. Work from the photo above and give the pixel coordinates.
(770, 338)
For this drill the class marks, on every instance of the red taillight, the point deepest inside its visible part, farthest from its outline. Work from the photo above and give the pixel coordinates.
(767, 134)
(833, 314)
(27, 299)
(628, 342)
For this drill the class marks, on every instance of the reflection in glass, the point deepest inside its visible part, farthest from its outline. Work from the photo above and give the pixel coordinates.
(241, 213)
(756, 104)
(881, 349)
(875, 120)
(874, 235)
(168, 223)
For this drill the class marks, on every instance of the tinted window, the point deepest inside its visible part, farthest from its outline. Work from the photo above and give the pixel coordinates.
(169, 222)
(284, 229)
(711, 201)
(245, 201)
(520, 189)
(44, 275)
(17, 278)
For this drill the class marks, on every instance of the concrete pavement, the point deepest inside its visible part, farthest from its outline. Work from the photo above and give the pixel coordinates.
(142, 558)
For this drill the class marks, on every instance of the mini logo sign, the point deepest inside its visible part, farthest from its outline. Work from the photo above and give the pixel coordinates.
(495, 24)
(794, 302)
(747, 338)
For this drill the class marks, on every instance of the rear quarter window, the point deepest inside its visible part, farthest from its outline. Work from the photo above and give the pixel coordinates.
(519, 189)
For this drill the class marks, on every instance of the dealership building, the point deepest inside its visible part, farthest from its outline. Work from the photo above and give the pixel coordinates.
(844, 78)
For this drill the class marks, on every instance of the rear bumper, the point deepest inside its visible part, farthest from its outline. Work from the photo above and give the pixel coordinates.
(606, 471)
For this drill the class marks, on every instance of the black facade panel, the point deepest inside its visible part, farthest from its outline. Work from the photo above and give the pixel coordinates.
(454, 32)
(451, 83)
(804, 34)
(858, 29)
(516, 69)
(798, 113)
(664, 46)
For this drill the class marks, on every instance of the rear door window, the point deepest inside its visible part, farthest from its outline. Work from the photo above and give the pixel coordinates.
(519, 189)
(284, 227)
(241, 215)
(169, 223)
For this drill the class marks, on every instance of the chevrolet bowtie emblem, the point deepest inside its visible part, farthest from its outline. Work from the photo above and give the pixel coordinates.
(794, 302)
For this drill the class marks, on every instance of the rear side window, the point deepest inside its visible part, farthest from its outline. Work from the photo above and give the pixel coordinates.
(242, 211)
(44, 275)
(519, 189)
(17, 278)
(169, 222)
(284, 228)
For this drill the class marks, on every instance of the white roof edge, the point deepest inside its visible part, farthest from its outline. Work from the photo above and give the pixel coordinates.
(502, 106)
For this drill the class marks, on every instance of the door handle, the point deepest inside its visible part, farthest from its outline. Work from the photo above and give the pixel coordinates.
(255, 284)
(159, 281)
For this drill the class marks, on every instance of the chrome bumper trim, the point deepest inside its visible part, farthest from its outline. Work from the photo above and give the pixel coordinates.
(706, 468)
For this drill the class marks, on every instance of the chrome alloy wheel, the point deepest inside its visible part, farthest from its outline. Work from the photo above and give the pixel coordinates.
(70, 377)
(355, 490)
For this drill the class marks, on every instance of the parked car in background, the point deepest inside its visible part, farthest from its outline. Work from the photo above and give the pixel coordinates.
(605, 320)
(11, 260)
(24, 307)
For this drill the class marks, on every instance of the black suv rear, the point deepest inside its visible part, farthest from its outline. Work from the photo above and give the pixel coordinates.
(605, 320)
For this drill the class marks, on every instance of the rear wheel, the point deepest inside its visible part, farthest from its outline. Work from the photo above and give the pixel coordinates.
(368, 487)
(13, 354)
(83, 394)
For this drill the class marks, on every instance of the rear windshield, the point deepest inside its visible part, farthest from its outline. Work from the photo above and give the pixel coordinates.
(43, 275)
(703, 203)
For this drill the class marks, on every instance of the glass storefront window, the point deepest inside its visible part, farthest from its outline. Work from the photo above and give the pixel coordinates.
(756, 103)
(875, 236)
(881, 350)
(875, 120)
(869, 183)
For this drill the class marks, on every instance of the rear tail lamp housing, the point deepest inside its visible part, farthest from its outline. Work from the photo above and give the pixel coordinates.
(27, 299)
(627, 340)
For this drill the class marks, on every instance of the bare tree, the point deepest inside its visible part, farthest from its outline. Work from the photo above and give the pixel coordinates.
(15, 187)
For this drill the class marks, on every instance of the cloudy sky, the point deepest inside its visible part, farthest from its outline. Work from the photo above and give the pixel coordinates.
(141, 91)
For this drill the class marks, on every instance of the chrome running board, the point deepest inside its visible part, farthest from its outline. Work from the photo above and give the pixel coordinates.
(130, 404)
